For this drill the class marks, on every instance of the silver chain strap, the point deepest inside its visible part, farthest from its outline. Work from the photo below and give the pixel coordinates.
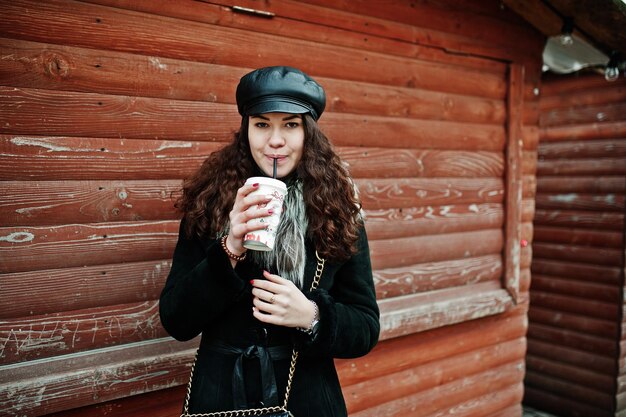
(292, 370)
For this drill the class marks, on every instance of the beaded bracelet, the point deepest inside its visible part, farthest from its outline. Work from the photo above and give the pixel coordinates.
(237, 258)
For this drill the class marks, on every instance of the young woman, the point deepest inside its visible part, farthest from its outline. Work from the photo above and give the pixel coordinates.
(253, 307)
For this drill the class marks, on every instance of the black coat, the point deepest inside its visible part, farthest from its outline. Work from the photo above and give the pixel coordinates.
(204, 294)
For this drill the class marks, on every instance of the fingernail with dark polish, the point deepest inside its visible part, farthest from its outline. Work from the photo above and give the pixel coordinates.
(256, 184)
(251, 282)
(270, 211)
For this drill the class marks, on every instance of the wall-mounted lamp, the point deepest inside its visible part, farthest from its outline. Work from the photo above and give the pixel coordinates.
(566, 38)
(611, 71)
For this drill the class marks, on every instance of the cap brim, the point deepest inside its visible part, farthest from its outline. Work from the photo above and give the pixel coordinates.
(276, 107)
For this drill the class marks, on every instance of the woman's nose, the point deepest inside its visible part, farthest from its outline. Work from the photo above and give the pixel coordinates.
(276, 138)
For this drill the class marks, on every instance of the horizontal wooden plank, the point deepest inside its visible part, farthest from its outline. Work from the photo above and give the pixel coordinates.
(563, 337)
(572, 167)
(494, 403)
(426, 220)
(293, 19)
(581, 219)
(75, 26)
(30, 248)
(419, 312)
(45, 112)
(431, 276)
(439, 399)
(574, 304)
(570, 373)
(397, 163)
(36, 293)
(591, 149)
(549, 402)
(577, 236)
(68, 158)
(77, 380)
(581, 184)
(584, 272)
(599, 113)
(376, 391)
(578, 84)
(435, 345)
(394, 253)
(149, 76)
(165, 402)
(33, 248)
(403, 193)
(30, 338)
(575, 322)
(585, 393)
(479, 27)
(591, 96)
(584, 289)
(39, 203)
(578, 201)
(567, 354)
(593, 131)
(575, 253)
(98, 375)
(513, 410)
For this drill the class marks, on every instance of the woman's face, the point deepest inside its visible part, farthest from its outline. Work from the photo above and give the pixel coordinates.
(276, 135)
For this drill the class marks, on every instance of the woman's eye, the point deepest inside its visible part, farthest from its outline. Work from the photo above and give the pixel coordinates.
(292, 125)
(261, 125)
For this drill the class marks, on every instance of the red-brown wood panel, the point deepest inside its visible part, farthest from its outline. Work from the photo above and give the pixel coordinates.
(108, 104)
(577, 307)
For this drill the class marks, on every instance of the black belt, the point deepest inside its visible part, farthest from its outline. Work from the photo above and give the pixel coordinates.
(265, 354)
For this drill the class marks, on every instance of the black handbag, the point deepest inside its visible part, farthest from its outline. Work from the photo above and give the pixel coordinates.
(276, 411)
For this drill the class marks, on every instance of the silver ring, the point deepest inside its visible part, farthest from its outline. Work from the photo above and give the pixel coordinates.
(272, 300)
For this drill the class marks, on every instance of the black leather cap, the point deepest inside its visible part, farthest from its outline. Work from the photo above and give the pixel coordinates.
(279, 89)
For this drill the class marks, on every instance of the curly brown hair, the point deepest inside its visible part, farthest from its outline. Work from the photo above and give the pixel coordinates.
(332, 206)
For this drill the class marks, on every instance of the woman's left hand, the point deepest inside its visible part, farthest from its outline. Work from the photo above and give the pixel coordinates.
(278, 301)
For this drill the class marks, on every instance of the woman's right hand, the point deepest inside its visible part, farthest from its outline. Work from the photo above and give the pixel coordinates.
(245, 208)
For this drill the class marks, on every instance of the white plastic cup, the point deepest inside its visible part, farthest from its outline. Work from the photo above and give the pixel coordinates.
(264, 239)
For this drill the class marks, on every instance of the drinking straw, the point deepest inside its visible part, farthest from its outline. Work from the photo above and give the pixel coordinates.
(274, 174)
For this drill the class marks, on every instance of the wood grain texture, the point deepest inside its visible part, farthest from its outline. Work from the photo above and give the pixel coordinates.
(35, 293)
(574, 374)
(573, 167)
(576, 270)
(294, 19)
(44, 112)
(414, 313)
(393, 253)
(431, 276)
(398, 354)
(65, 202)
(582, 184)
(580, 219)
(565, 303)
(575, 322)
(41, 65)
(559, 404)
(592, 344)
(586, 289)
(57, 158)
(576, 236)
(403, 193)
(205, 43)
(62, 333)
(33, 248)
(605, 202)
(99, 375)
(593, 361)
(377, 391)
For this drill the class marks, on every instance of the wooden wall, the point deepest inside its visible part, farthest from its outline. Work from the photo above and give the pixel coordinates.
(108, 104)
(575, 363)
